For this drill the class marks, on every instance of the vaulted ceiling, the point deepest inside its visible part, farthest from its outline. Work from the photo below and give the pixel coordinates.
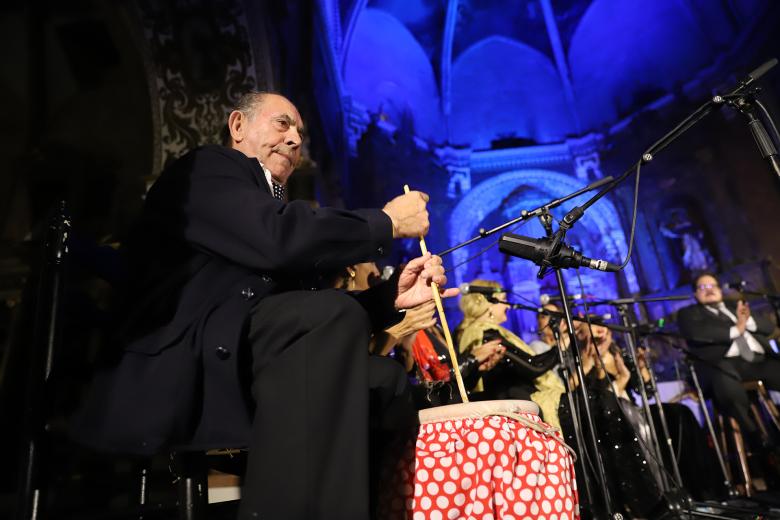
(471, 72)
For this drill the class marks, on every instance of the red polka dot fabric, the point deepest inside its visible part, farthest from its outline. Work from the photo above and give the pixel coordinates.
(489, 468)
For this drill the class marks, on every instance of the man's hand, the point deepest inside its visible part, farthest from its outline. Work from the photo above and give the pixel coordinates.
(408, 213)
(743, 315)
(414, 284)
(417, 318)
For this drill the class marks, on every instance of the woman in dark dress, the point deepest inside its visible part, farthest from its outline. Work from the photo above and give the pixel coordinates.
(633, 474)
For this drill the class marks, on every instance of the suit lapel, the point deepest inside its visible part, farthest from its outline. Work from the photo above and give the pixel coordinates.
(717, 315)
(258, 174)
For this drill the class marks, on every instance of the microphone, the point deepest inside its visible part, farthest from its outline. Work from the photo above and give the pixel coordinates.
(737, 285)
(753, 76)
(387, 272)
(766, 145)
(598, 317)
(537, 249)
(544, 299)
(480, 289)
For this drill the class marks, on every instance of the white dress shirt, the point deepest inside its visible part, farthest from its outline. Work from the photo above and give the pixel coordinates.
(268, 178)
(752, 342)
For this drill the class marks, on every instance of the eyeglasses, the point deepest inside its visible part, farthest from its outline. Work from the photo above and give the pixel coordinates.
(705, 286)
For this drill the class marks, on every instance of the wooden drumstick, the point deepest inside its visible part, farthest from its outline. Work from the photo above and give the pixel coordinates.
(443, 320)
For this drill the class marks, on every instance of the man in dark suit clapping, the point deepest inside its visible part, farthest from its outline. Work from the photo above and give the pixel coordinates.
(732, 345)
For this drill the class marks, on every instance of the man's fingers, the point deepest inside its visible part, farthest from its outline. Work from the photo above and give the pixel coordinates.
(417, 264)
(430, 323)
(439, 279)
(433, 261)
(449, 293)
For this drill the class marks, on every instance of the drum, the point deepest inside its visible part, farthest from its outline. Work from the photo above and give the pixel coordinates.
(483, 460)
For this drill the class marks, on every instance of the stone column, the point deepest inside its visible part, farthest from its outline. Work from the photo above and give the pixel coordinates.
(457, 162)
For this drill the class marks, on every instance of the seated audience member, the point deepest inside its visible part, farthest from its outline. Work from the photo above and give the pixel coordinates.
(731, 346)
(222, 342)
(520, 374)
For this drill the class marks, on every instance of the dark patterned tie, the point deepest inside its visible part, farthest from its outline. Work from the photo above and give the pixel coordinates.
(277, 190)
(742, 344)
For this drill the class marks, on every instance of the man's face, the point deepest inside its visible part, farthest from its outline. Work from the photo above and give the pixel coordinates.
(273, 134)
(708, 290)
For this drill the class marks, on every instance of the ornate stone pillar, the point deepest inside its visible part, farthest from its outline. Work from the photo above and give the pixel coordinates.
(457, 162)
(585, 155)
(201, 62)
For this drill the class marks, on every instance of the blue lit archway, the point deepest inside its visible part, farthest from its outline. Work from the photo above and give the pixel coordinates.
(599, 234)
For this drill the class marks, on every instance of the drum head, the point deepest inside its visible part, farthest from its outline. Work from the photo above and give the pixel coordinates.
(477, 409)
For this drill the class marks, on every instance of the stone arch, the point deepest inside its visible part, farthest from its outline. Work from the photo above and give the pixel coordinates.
(489, 195)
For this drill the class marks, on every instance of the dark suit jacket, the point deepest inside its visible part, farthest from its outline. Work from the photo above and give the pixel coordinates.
(210, 243)
(707, 333)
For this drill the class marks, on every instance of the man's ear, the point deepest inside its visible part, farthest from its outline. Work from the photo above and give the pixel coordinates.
(237, 126)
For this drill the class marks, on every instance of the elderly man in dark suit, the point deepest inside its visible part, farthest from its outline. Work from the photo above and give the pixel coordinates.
(732, 345)
(224, 342)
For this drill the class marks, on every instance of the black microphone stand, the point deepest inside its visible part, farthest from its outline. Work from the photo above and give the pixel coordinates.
(601, 475)
(737, 98)
(673, 491)
(690, 358)
(678, 502)
(677, 498)
(631, 345)
(746, 103)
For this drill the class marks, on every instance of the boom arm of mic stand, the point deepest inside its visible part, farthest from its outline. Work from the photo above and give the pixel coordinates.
(623, 301)
(525, 215)
(577, 212)
(560, 315)
(599, 468)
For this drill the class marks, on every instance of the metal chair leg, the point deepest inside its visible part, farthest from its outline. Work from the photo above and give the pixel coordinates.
(192, 484)
(766, 401)
(742, 455)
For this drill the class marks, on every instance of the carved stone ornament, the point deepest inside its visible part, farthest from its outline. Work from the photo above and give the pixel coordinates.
(203, 63)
